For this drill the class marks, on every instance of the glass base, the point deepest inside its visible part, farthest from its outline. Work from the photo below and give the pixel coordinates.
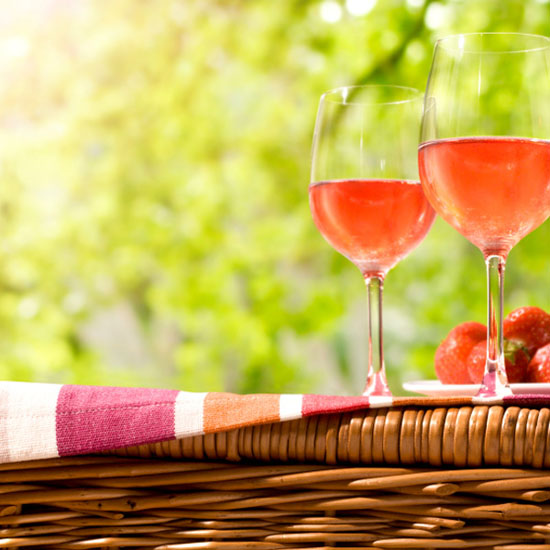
(495, 381)
(377, 385)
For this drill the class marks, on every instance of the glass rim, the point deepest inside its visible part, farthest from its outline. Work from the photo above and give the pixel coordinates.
(337, 95)
(441, 42)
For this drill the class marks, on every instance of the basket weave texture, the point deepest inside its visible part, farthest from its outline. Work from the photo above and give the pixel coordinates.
(468, 477)
(459, 436)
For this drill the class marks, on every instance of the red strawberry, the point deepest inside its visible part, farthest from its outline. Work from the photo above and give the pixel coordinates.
(528, 327)
(516, 360)
(539, 366)
(452, 353)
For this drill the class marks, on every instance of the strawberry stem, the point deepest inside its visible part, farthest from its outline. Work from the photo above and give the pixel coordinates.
(511, 350)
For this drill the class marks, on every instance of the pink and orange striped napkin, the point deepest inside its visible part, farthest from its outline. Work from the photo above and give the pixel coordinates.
(51, 420)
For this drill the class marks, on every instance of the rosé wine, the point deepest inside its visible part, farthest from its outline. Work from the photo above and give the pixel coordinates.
(493, 190)
(373, 222)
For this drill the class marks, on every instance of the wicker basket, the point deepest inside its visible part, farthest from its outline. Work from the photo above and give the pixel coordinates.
(466, 477)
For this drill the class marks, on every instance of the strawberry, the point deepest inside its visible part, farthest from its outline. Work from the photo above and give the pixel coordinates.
(539, 366)
(528, 327)
(516, 360)
(452, 353)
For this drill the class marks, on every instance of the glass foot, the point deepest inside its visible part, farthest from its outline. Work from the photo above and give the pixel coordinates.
(494, 383)
(377, 385)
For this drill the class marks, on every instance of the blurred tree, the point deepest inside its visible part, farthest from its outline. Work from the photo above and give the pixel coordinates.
(153, 190)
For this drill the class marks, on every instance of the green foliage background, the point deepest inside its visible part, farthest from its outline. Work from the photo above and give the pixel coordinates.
(153, 194)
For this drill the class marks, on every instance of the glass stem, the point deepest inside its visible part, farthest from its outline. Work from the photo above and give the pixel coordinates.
(376, 379)
(495, 381)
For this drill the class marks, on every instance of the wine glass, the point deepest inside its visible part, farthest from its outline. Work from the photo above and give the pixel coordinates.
(364, 194)
(484, 157)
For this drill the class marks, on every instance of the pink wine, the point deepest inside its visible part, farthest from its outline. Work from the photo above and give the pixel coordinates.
(373, 222)
(492, 190)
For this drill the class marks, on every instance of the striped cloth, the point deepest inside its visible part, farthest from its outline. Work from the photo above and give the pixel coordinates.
(51, 420)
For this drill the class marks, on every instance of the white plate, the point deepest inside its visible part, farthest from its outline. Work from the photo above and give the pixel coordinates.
(435, 388)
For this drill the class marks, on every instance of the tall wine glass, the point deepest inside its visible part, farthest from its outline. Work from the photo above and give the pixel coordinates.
(364, 195)
(484, 157)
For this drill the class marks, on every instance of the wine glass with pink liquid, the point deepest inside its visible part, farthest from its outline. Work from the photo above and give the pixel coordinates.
(484, 156)
(365, 195)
